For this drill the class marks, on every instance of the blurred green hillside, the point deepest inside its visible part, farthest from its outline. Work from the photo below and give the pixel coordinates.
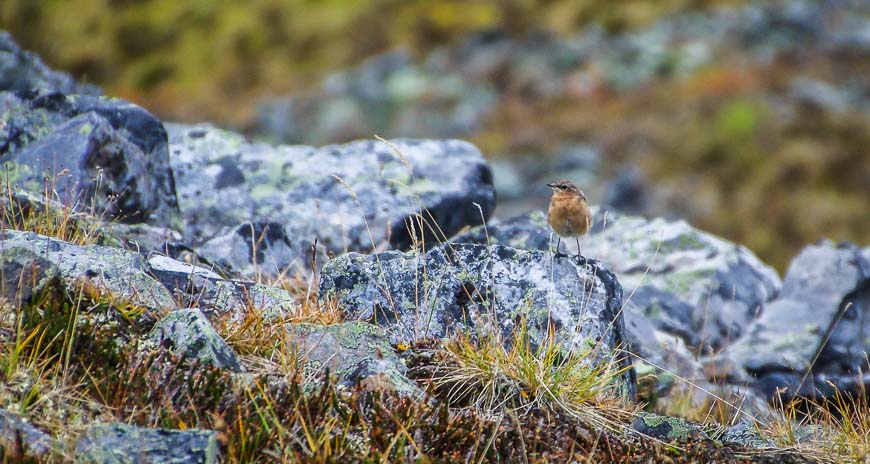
(197, 60)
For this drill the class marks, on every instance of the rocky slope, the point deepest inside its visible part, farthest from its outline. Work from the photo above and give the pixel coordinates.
(167, 315)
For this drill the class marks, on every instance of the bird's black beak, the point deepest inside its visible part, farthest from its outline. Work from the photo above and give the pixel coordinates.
(551, 185)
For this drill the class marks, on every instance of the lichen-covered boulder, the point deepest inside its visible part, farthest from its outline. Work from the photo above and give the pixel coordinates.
(746, 434)
(118, 275)
(188, 333)
(100, 168)
(478, 290)
(355, 352)
(820, 320)
(104, 155)
(668, 429)
(216, 297)
(688, 283)
(121, 443)
(253, 207)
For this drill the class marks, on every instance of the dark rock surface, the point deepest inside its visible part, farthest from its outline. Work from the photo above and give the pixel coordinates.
(819, 321)
(257, 208)
(188, 333)
(92, 146)
(119, 443)
(101, 169)
(473, 289)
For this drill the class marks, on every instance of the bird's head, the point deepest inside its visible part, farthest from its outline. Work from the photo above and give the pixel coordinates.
(566, 187)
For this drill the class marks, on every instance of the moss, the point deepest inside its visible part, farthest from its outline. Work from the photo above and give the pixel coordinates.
(681, 283)
(353, 334)
(16, 172)
(86, 129)
(690, 240)
(677, 428)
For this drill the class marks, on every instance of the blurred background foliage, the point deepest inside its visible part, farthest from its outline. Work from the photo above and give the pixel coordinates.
(715, 146)
(222, 56)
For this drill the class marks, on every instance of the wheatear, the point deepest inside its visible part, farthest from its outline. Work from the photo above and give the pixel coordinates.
(569, 214)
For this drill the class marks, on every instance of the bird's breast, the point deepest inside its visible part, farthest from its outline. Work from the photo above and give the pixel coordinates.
(569, 216)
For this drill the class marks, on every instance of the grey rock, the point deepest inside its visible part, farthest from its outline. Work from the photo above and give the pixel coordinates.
(673, 429)
(22, 71)
(116, 142)
(142, 238)
(821, 95)
(669, 429)
(120, 443)
(686, 282)
(19, 438)
(26, 277)
(747, 435)
(355, 352)
(188, 333)
(100, 168)
(475, 289)
(257, 208)
(628, 192)
(216, 297)
(659, 357)
(119, 275)
(508, 180)
(819, 321)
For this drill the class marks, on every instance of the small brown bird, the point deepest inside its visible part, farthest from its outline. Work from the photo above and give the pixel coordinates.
(568, 215)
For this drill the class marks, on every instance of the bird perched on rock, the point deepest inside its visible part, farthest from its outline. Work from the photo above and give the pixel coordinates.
(569, 214)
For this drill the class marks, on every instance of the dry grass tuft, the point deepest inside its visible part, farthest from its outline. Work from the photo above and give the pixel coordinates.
(21, 210)
(495, 380)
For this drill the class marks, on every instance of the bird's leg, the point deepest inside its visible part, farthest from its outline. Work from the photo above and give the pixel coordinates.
(558, 243)
(578, 247)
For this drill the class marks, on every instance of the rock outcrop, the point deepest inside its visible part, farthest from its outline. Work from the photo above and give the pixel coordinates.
(105, 156)
(813, 339)
(257, 208)
(483, 291)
